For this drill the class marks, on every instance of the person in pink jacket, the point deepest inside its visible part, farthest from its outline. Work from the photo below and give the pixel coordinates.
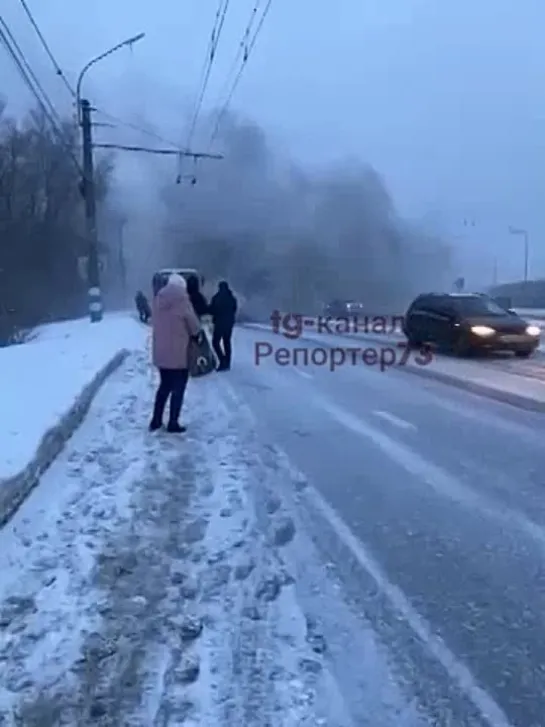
(174, 323)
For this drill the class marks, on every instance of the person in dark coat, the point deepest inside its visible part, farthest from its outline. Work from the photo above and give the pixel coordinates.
(142, 306)
(223, 309)
(201, 308)
(198, 301)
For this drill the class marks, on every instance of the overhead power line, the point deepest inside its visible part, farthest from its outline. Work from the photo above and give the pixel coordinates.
(33, 84)
(58, 69)
(139, 129)
(170, 152)
(247, 51)
(213, 46)
(14, 49)
(221, 14)
(242, 51)
(26, 71)
(61, 74)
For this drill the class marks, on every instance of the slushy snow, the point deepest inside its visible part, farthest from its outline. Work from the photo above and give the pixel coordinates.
(153, 579)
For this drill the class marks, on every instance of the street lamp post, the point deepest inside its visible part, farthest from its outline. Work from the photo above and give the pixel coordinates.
(88, 185)
(93, 61)
(524, 233)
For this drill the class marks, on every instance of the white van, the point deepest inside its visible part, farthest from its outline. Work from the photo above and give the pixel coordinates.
(161, 277)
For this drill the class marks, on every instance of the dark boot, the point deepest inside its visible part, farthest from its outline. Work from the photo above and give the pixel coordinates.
(176, 401)
(155, 425)
(176, 428)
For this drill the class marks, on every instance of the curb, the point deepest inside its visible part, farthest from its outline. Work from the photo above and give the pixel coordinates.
(14, 490)
(505, 397)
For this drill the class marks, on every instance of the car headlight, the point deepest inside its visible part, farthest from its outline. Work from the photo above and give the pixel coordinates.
(533, 331)
(482, 330)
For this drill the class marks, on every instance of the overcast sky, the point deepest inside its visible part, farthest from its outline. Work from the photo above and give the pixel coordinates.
(445, 98)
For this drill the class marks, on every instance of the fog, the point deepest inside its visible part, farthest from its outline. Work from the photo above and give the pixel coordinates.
(371, 150)
(283, 234)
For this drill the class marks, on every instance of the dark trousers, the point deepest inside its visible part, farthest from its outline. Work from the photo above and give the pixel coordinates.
(173, 384)
(221, 343)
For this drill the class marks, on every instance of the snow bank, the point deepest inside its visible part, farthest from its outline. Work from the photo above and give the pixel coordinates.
(83, 327)
(46, 387)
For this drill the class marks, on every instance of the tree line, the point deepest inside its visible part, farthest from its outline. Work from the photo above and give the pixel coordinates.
(42, 235)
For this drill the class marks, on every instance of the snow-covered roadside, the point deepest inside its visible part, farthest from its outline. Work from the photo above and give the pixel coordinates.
(40, 380)
(153, 580)
(83, 327)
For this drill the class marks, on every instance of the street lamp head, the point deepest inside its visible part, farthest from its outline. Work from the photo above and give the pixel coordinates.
(129, 42)
(136, 38)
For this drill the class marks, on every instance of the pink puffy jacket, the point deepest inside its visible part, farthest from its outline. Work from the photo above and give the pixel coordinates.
(173, 322)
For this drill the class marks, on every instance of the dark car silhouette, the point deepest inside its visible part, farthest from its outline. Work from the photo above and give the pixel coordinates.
(343, 308)
(467, 323)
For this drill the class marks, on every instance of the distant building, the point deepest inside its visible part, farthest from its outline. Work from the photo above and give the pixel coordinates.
(522, 294)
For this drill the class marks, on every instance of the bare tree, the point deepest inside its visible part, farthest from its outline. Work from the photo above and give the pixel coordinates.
(41, 232)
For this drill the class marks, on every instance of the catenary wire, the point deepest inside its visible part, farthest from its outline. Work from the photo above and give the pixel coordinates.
(247, 54)
(242, 50)
(136, 127)
(15, 51)
(221, 14)
(58, 69)
(28, 77)
(214, 41)
(61, 74)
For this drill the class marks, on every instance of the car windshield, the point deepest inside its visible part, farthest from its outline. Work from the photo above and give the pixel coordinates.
(479, 307)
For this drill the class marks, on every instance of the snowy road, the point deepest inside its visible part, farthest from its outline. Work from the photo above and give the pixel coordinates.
(445, 493)
(161, 581)
(347, 549)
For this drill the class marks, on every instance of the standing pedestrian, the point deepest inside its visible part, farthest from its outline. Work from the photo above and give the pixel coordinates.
(198, 301)
(174, 324)
(223, 309)
(142, 306)
(204, 362)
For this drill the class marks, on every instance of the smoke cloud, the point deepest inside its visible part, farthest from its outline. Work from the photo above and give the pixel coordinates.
(284, 236)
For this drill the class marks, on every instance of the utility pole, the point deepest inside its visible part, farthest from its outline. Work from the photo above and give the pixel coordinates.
(93, 268)
(526, 253)
(122, 260)
(83, 108)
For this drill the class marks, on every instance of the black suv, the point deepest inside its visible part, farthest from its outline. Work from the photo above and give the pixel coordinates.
(465, 323)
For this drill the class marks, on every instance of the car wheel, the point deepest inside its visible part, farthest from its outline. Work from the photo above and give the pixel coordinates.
(523, 354)
(461, 348)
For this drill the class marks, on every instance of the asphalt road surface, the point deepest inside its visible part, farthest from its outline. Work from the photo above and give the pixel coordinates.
(440, 540)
